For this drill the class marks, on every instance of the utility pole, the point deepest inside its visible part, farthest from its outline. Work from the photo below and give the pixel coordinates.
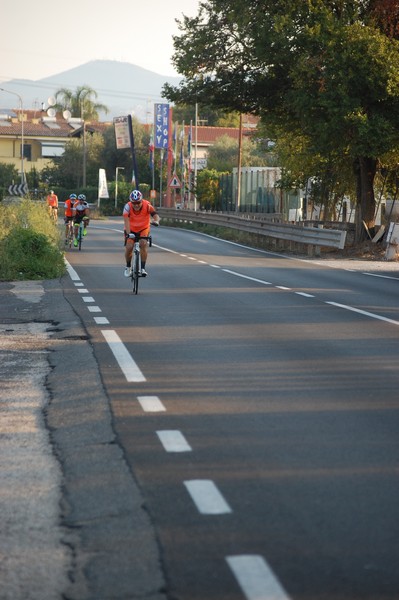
(21, 116)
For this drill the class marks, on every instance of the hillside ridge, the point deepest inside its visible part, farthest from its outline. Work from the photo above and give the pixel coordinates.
(123, 87)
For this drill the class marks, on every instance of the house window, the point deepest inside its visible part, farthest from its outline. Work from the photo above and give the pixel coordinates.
(51, 150)
(27, 151)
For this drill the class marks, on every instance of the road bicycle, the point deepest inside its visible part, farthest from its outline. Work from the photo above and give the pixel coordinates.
(80, 236)
(53, 212)
(69, 236)
(136, 258)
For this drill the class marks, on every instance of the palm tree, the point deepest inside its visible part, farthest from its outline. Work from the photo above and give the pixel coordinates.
(80, 103)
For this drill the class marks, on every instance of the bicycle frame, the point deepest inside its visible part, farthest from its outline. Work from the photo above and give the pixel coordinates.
(136, 257)
(70, 233)
(80, 234)
(53, 212)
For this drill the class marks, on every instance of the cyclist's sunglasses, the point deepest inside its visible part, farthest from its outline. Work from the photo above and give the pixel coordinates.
(136, 201)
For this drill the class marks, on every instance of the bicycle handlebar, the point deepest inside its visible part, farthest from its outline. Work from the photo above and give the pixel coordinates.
(137, 236)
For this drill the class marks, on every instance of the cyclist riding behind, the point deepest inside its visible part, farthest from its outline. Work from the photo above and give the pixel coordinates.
(68, 213)
(137, 215)
(52, 204)
(81, 213)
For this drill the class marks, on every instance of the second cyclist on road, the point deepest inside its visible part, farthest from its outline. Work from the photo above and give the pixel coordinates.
(81, 213)
(68, 213)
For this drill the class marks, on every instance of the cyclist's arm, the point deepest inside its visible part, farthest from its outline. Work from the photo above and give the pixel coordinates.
(155, 218)
(126, 221)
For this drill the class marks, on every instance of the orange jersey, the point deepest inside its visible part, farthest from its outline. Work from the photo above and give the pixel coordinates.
(139, 220)
(52, 200)
(68, 205)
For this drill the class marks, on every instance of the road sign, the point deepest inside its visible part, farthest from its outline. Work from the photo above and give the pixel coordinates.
(122, 135)
(18, 190)
(175, 182)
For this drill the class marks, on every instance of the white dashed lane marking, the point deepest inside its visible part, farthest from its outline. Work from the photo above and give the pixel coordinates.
(173, 441)
(206, 497)
(101, 320)
(151, 404)
(247, 277)
(125, 361)
(364, 312)
(94, 309)
(255, 577)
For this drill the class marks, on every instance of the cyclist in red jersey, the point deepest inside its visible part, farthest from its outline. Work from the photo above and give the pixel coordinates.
(137, 215)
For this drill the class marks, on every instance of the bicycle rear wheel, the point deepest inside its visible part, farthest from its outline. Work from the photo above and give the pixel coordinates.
(70, 236)
(136, 272)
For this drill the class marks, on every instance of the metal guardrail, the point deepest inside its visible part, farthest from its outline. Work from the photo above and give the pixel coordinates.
(310, 236)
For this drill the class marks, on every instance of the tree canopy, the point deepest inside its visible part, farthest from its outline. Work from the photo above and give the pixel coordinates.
(81, 102)
(325, 71)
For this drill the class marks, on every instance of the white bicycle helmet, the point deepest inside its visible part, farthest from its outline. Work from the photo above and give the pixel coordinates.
(136, 196)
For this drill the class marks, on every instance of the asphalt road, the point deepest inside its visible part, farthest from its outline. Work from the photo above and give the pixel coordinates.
(261, 422)
(235, 435)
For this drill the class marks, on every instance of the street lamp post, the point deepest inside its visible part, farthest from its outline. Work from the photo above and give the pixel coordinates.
(116, 183)
(22, 131)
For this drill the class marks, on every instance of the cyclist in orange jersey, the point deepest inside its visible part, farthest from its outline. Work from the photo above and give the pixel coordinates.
(68, 213)
(137, 215)
(52, 204)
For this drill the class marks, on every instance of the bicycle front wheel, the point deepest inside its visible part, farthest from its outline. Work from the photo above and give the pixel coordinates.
(136, 272)
(80, 235)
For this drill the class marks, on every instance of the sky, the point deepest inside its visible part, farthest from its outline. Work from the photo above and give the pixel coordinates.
(42, 39)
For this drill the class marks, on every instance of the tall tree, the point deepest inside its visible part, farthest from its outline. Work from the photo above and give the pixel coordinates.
(324, 70)
(81, 102)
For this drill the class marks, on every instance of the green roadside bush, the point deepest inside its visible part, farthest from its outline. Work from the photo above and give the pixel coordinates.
(30, 244)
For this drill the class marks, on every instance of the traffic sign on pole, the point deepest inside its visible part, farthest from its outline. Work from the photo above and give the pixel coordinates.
(175, 182)
(18, 190)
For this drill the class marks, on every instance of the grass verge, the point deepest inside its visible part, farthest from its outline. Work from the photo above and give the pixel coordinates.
(30, 243)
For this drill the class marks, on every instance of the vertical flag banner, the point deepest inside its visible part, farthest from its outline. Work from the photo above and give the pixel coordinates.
(124, 138)
(174, 140)
(151, 150)
(189, 144)
(161, 125)
(102, 185)
(181, 159)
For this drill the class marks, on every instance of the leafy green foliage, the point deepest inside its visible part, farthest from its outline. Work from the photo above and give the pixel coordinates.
(223, 155)
(207, 116)
(29, 243)
(325, 72)
(208, 191)
(81, 102)
(8, 176)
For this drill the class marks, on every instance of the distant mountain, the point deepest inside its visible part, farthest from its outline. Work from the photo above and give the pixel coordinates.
(123, 87)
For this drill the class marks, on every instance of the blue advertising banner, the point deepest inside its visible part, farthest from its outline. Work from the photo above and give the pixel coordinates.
(161, 125)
